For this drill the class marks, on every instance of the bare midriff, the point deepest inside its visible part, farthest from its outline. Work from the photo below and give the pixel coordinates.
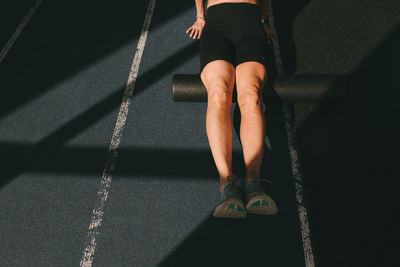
(216, 2)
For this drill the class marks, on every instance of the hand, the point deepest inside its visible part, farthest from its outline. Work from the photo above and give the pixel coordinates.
(271, 36)
(197, 28)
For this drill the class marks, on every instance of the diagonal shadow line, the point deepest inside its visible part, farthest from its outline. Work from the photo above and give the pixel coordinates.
(83, 121)
(38, 88)
(101, 109)
(48, 156)
(82, 160)
(166, 66)
(231, 242)
(136, 161)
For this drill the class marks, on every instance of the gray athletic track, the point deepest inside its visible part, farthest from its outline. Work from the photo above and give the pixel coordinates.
(61, 89)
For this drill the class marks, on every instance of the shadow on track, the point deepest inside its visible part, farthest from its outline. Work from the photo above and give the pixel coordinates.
(349, 156)
(11, 15)
(65, 37)
(18, 161)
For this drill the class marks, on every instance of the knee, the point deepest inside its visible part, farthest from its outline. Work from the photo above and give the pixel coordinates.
(250, 97)
(219, 97)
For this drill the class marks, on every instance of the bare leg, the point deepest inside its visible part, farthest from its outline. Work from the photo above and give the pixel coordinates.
(219, 77)
(251, 77)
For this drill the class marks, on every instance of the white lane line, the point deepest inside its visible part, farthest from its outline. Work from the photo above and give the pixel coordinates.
(302, 210)
(18, 31)
(97, 215)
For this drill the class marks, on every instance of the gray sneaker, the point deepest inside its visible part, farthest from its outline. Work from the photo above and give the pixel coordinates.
(231, 204)
(257, 201)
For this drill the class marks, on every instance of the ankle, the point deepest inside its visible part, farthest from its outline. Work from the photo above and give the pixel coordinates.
(230, 178)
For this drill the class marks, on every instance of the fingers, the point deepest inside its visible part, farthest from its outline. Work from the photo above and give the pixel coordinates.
(196, 33)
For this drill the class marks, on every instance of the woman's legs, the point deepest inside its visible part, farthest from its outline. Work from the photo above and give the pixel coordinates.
(218, 77)
(251, 77)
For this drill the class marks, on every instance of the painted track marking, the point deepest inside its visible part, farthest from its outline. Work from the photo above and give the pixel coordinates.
(18, 31)
(97, 214)
(301, 208)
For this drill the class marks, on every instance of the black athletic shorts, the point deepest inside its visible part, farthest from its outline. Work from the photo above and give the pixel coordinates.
(233, 32)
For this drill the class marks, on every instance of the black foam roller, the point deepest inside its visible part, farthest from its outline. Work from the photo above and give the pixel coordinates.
(188, 88)
(310, 88)
(292, 89)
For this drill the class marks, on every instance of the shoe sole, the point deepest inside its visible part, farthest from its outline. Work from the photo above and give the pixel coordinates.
(256, 205)
(228, 209)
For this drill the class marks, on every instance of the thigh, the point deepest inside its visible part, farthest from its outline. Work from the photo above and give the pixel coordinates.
(214, 45)
(252, 48)
(251, 71)
(251, 77)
